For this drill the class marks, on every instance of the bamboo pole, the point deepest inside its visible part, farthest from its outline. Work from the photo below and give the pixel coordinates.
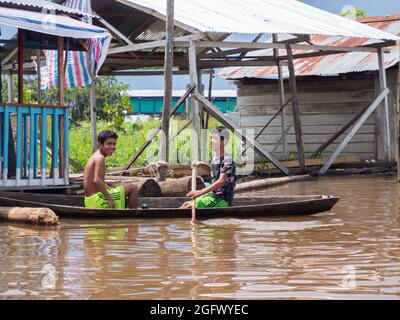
(168, 66)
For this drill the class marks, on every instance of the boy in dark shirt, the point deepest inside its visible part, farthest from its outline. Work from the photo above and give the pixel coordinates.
(223, 174)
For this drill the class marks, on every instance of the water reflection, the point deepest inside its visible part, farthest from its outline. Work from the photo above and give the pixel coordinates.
(351, 252)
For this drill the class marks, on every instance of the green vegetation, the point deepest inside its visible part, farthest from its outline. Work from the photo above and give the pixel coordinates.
(131, 138)
(112, 103)
(112, 106)
(354, 13)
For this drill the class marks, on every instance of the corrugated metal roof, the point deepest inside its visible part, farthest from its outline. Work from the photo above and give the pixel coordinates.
(179, 93)
(260, 16)
(330, 65)
(44, 4)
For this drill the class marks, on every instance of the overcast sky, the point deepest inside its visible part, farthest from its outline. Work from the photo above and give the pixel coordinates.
(372, 8)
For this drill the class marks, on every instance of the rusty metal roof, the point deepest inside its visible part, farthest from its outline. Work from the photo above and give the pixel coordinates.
(330, 65)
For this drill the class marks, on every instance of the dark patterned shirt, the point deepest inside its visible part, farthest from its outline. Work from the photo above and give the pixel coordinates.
(225, 164)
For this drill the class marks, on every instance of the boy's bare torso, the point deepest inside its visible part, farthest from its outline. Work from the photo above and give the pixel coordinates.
(89, 174)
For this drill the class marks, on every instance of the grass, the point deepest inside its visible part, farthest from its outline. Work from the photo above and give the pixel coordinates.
(131, 138)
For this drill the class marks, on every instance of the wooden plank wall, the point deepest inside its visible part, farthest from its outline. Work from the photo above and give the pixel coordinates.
(326, 104)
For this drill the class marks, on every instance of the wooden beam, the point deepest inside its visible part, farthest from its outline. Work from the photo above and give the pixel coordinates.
(156, 131)
(141, 73)
(61, 101)
(296, 111)
(9, 57)
(168, 66)
(39, 76)
(258, 45)
(195, 105)
(281, 95)
(354, 130)
(243, 54)
(10, 87)
(269, 122)
(386, 127)
(119, 35)
(218, 115)
(398, 124)
(20, 63)
(182, 41)
(340, 132)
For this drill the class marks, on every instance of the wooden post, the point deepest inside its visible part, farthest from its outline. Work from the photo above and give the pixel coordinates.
(20, 66)
(354, 130)
(93, 114)
(168, 66)
(1, 81)
(235, 128)
(296, 112)
(398, 124)
(203, 133)
(39, 76)
(281, 97)
(61, 101)
(187, 103)
(10, 87)
(195, 103)
(386, 124)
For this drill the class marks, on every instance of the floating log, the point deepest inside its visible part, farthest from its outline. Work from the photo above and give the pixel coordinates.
(148, 187)
(179, 187)
(38, 216)
(263, 183)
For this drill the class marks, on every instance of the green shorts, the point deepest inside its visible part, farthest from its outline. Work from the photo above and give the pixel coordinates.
(98, 200)
(209, 201)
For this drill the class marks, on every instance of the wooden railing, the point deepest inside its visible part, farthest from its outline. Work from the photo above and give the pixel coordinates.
(24, 129)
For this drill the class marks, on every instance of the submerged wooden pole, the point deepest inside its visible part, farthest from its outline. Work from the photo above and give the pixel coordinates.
(38, 216)
(194, 176)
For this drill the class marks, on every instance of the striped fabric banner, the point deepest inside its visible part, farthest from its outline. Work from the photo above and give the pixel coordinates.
(80, 65)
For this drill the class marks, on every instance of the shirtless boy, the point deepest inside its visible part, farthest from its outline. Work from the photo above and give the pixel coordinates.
(97, 193)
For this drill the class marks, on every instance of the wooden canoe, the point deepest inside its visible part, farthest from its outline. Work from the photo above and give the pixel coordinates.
(67, 206)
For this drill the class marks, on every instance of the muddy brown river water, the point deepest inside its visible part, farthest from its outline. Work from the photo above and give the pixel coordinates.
(351, 252)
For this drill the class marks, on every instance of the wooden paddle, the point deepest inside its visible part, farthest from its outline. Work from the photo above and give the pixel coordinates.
(194, 176)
